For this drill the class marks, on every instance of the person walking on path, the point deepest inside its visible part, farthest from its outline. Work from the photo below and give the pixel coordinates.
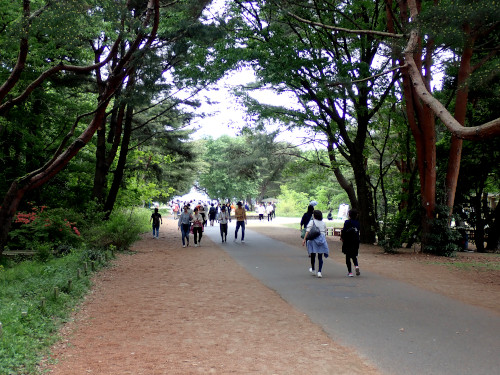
(223, 220)
(212, 213)
(156, 219)
(316, 243)
(305, 220)
(184, 224)
(241, 220)
(269, 211)
(261, 210)
(198, 222)
(350, 241)
(176, 211)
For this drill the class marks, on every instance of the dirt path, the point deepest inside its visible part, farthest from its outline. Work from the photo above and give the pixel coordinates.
(169, 310)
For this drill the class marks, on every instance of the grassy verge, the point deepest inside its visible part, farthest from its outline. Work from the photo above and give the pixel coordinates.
(469, 265)
(36, 297)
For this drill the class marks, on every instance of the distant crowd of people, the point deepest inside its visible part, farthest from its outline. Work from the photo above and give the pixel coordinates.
(194, 220)
(194, 217)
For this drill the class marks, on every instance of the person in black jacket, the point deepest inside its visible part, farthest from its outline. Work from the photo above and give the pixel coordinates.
(305, 220)
(156, 219)
(350, 241)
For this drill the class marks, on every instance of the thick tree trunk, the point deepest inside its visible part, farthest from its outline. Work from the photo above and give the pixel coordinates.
(101, 169)
(8, 210)
(365, 207)
(122, 161)
(360, 199)
(460, 112)
(105, 158)
(493, 242)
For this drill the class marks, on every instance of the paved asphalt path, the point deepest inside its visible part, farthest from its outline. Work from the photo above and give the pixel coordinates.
(397, 327)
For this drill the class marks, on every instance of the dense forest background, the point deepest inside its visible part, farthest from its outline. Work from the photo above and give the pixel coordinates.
(397, 103)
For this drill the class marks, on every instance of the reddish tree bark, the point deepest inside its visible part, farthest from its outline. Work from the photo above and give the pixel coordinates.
(422, 108)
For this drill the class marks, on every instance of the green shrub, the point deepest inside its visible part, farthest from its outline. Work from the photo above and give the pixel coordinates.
(121, 230)
(400, 228)
(292, 203)
(442, 240)
(43, 252)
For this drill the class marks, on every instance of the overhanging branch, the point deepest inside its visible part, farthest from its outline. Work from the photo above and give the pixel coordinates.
(350, 31)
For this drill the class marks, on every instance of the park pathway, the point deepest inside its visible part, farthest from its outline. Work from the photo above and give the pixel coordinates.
(398, 327)
(168, 310)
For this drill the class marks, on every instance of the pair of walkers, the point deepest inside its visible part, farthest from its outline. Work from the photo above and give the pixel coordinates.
(315, 239)
(186, 219)
(241, 220)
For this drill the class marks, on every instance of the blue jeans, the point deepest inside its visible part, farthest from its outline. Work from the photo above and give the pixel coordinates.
(238, 225)
(185, 232)
(156, 229)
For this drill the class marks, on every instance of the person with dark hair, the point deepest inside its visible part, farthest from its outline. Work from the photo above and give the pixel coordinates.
(350, 241)
(156, 219)
(316, 243)
(241, 220)
(223, 220)
(269, 211)
(184, 225)
(212, 213)
(305, 220)
(198, 221)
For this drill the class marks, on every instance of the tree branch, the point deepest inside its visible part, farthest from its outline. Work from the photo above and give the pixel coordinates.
(367, 32)
(56, 69)
(483, 131)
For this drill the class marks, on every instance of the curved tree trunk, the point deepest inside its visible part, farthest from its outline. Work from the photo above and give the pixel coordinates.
(460, 112)
(122, 161)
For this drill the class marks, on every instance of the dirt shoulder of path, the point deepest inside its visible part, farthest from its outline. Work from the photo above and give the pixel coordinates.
(473, 278)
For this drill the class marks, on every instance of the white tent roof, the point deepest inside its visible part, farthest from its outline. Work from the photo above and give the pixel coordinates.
(193, 195)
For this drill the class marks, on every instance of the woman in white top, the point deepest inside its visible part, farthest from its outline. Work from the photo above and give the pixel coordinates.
(316, 245)
(223, 220)
(261, 210)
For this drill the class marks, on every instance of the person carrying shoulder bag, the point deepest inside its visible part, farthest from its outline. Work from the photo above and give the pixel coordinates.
(315, 238)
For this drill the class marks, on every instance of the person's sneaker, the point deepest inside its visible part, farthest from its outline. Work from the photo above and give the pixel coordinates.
(235, 240)
(183, 245)
(195, 245)
(242, 241)
(350, 274)
(320, 275)
(313, 272)
(357, 271)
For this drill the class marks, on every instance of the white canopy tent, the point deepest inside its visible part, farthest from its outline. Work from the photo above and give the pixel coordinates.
(193, 195)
